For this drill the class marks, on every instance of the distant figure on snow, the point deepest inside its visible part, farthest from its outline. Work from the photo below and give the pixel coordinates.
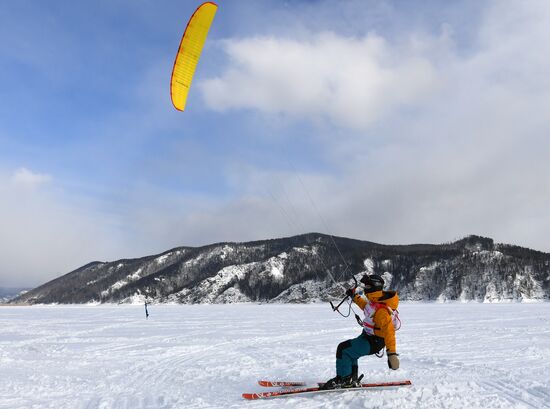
(378, 332)
(146, 312)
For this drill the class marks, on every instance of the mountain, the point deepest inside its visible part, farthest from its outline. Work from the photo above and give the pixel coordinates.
(7, 293)
(307, 268)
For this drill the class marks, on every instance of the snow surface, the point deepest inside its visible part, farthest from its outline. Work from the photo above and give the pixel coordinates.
(204, 356)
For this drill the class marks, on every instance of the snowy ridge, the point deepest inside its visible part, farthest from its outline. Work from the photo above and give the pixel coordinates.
(215, 287)
(308, 291)
(304, 269)
(119, 284)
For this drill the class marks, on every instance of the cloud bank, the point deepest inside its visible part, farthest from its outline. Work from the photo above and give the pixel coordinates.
(44, 233)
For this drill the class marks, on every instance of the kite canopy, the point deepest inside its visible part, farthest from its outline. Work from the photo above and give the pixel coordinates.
(189, 53)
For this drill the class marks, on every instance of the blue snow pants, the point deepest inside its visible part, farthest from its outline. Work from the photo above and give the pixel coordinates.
(348, 352)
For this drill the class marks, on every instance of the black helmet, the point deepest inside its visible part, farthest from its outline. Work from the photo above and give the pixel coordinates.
(372, 283)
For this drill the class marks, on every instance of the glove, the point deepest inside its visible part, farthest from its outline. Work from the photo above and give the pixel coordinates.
(393, 360)
(350, 292)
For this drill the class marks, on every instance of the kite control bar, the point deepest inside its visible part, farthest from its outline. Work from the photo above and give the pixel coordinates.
(336, 308)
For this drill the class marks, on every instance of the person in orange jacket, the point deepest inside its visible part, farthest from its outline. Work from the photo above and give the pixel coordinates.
(378, 332)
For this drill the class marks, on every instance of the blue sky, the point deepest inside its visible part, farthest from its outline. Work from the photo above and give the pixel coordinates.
(389, 121)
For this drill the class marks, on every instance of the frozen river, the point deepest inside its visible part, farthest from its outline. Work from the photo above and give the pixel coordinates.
(205, 356)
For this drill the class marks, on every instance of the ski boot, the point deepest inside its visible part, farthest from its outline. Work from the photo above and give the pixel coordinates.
(351, 381)
(333, 383)
(342, 382)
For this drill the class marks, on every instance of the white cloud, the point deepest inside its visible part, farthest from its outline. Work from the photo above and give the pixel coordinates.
(25, 178)
(352, 82)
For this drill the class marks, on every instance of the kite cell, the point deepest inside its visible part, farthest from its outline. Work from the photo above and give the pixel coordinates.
(189, 53)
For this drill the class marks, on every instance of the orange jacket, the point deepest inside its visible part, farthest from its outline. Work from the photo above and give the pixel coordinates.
(382, 318)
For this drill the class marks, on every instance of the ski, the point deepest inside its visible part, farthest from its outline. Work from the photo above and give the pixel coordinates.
(271, 384)
(311, 390)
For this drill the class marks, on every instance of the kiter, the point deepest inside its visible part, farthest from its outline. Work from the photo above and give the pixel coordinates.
(379, 325)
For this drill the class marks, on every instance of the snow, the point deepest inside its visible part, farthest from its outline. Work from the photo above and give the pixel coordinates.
(301, 292)
(276, 265)
(162, 259)
(136, 298)
(369, 266)
(119, 284)
(204, 356)
(212, 285)
(225, 251)
(388, 279)
(307, 250)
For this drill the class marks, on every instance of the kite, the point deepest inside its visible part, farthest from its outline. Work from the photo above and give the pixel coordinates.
(189, 53)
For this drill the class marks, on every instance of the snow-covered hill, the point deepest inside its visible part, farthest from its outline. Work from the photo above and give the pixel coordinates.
(307, 268)
(458, 355)
(8, 293)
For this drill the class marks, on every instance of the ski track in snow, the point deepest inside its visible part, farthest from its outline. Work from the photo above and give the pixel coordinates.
(204, 356)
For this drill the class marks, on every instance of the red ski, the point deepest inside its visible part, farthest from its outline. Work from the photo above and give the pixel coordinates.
(271, 384)
(316, 389)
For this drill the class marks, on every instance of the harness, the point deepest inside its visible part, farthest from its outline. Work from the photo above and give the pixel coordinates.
(370, 310)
